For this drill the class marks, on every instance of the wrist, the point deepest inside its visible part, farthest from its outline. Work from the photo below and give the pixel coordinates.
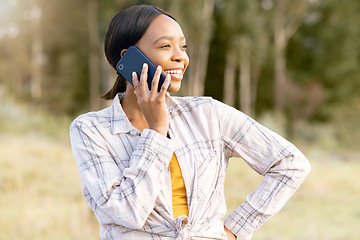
(162, 130)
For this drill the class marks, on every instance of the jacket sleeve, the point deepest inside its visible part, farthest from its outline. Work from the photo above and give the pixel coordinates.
(283, 166)
(126, 197)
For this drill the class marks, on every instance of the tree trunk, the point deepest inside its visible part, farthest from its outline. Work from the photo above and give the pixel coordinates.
(229, 78)
(36, 50)
(280, 42)
(288, 16)
(94, 59)
(201, 68)
(245, 76)
(255, 75)
(197, 73)
(280, 70)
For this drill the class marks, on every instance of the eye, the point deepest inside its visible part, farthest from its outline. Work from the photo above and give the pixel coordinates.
(165, 46)
(184, 46)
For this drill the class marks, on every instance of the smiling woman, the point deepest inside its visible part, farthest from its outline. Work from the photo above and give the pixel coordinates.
(164, 44)
(125, 30)
(153, 166)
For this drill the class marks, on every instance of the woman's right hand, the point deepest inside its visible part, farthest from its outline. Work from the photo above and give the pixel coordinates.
(152, 103)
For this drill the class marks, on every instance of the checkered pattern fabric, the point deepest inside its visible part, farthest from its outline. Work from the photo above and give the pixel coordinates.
(126, 178)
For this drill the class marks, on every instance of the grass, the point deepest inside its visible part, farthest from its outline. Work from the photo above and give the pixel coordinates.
(326, 207)
(41, 194)
(39, 181)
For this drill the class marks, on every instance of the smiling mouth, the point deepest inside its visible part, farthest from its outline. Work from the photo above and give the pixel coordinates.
(176, 74)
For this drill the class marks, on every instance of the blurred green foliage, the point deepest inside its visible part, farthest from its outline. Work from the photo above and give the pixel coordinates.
(48, 42)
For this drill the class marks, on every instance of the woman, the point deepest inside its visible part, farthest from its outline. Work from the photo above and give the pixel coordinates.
(153, 166)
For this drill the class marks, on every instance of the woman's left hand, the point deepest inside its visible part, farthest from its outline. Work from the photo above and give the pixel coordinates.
(229, 235)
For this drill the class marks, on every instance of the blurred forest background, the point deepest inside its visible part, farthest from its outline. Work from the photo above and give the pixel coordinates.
(298, 60)
(292, 65)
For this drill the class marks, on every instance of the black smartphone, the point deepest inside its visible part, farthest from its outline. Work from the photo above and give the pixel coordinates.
(132, 61)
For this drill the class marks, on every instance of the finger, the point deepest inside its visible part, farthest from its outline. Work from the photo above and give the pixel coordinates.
(143, 80)
(155, 81)
(165, 86)
(135, 81)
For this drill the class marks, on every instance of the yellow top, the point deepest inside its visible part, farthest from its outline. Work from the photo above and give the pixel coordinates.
(179, 199)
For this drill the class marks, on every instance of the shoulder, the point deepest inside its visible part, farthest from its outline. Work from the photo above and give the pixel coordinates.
(192, 102)
(207, 105)
(92, 119)
(197, 108)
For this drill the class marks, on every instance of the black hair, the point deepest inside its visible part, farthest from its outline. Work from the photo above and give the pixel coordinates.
(125, 30)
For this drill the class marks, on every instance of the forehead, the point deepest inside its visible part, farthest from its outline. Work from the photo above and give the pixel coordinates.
(163, 26)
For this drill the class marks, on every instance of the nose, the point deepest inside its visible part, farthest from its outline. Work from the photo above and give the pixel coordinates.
(179, 55)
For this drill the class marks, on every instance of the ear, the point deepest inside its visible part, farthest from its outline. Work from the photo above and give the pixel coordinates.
(123, 52)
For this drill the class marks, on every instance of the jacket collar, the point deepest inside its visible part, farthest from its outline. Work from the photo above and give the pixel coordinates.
(119, 121)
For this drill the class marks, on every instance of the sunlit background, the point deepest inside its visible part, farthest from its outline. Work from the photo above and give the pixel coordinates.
(294, 66)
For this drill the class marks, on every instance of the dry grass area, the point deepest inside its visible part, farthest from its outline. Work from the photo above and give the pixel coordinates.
(40, 191)
(326, 207)
(41, 196)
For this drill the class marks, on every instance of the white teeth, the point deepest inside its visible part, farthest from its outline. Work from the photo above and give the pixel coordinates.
(173, 71)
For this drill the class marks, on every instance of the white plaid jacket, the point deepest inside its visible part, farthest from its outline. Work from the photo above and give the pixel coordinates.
(126, 178)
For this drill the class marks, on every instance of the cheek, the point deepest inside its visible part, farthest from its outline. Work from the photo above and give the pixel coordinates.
(154, 56)
(157, 59)
(187, 61)
(162, 61)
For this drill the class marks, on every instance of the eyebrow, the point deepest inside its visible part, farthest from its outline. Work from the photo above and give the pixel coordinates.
(167, 38)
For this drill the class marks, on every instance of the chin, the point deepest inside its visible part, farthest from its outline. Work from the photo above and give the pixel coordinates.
(175, 87)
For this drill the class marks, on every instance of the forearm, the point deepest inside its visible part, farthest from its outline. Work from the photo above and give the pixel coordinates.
(142, 181)
(124, 191)
(279, 184)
